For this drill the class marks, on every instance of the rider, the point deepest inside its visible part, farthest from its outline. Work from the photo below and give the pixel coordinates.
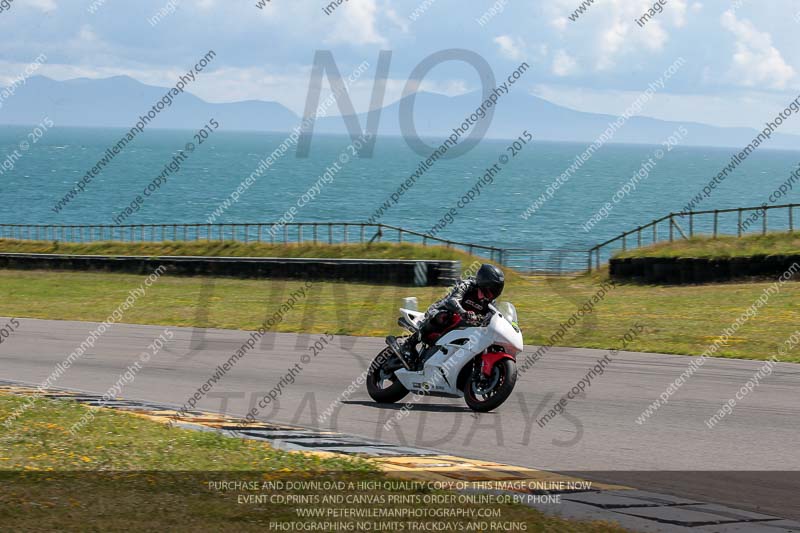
(470, 297)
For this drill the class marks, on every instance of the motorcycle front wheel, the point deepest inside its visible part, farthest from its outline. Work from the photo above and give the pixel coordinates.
(382, 385)
(484, 393)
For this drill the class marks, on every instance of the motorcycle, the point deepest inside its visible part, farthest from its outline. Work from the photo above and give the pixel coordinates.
(475, 360)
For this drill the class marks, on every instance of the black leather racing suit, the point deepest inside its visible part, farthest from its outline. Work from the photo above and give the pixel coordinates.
(461, 299)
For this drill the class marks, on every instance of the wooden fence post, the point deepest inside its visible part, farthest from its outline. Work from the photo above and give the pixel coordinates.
(739, 225)
(671, 230)
(716, 222)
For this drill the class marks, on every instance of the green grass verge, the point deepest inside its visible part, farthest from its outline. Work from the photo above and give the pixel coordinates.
(721, 247)
(124, 472)
(40, 440)
(677, 319)
(238, 249)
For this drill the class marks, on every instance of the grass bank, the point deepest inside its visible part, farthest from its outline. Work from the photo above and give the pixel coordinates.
(237, 249)
(722, 247)
(679, 319)
(124, 472)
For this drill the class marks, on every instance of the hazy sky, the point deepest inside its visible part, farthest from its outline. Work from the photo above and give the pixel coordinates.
(742, 58)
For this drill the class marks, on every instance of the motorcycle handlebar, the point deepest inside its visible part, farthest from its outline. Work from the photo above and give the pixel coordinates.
(481, 321)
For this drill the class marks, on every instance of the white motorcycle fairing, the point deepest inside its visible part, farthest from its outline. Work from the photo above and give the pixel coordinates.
(456, 349)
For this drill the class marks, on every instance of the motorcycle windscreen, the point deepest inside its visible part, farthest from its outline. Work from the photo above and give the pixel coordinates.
(508, 311)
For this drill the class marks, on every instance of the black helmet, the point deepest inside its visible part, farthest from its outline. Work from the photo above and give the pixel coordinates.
(490, 280)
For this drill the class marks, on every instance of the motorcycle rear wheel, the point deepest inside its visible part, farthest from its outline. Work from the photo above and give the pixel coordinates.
(382, 385)
(485, 394)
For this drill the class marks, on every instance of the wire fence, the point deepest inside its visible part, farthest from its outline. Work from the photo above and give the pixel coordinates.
(713, 223)
(538, 260)
(546, 261)
(740, 221)
(291, 233)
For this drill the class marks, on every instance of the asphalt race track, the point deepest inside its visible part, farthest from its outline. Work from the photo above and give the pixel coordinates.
(749, 460)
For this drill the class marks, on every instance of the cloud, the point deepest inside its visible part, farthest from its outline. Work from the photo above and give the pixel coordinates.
(512, 48)
(611, 41)
(401, 22)
(87, 35)
(559, 23)
(44, 5)
(355, 23)
(607, 32)
(757, 63)
(564, 64)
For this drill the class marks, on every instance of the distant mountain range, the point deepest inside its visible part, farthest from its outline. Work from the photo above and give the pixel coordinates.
(118, 102)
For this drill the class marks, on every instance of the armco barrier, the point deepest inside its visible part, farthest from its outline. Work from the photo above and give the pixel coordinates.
(673, 270)
(388, 271)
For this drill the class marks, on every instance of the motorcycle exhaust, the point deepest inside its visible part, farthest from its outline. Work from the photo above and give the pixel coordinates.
(391, 342)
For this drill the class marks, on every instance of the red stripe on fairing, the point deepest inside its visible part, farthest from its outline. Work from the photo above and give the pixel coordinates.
(488, 360)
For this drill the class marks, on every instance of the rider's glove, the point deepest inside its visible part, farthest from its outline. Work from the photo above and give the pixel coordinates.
(455, 306)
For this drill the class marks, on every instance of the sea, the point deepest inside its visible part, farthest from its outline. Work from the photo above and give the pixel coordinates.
(39, 167)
